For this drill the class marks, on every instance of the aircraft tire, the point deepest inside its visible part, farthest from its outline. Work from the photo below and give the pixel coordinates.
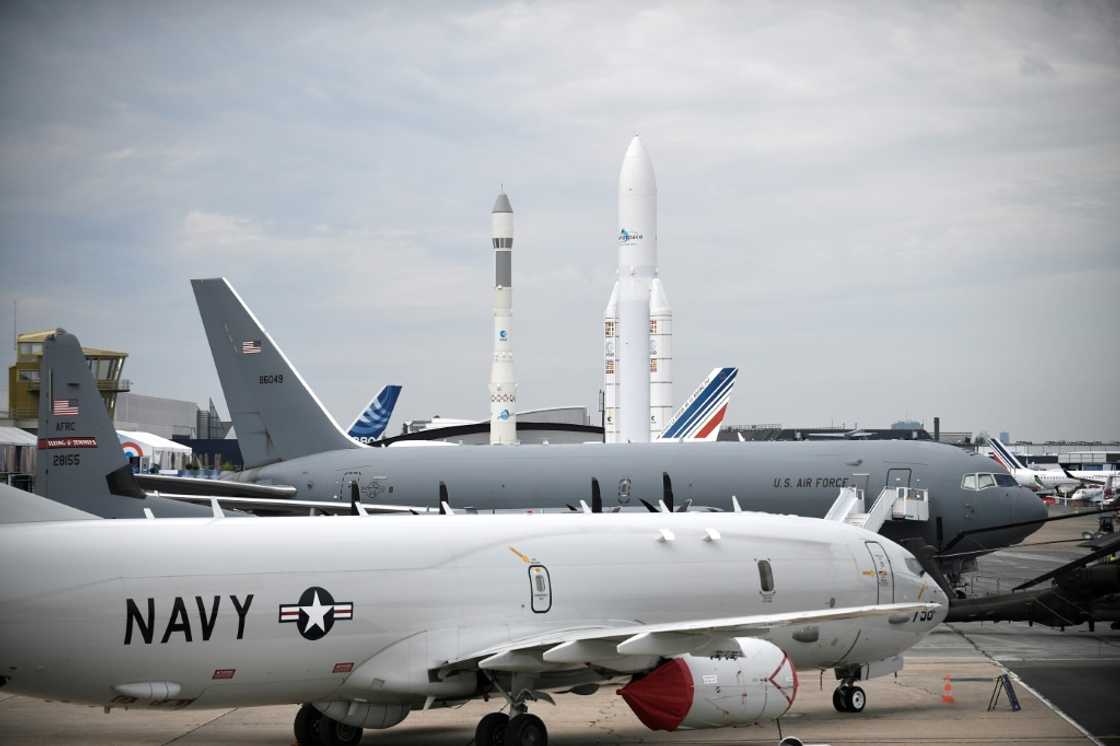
(491, 730)
(855, 699)
(526, 730)
(333, 733)
(307, 726)
(838, 695)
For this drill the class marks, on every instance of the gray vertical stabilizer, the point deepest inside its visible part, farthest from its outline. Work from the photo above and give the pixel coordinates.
(80, 462)
(276, 414)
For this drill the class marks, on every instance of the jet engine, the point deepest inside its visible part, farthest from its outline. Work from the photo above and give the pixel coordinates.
(753, 681)
(363, 714)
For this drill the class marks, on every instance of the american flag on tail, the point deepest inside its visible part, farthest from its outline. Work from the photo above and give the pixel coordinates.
(64, 408)
(250, 347)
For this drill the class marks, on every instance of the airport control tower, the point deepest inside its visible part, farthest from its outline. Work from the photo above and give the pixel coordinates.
(503, 388)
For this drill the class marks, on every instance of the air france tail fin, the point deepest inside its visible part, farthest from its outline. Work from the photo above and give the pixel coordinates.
(699, 417)
(371, 423)
(276, 414)
(80, 462)
(1004, 456)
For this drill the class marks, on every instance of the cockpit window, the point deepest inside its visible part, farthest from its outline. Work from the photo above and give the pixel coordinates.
(915, 566)
(984, 481)
(1006, 480)
(968, 482)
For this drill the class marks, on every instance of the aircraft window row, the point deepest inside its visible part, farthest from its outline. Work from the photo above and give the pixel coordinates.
(983, 481)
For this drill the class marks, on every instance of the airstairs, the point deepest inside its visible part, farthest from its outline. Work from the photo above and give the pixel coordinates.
(897, 503)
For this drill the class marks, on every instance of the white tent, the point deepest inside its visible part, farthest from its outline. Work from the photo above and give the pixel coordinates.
(17, 451)
(152, 450)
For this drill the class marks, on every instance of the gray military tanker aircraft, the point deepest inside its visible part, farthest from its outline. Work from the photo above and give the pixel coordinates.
(702, 617)
(289, 441)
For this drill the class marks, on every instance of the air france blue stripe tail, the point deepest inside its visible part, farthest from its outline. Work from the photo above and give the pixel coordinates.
(707, 403)
(1005, 456)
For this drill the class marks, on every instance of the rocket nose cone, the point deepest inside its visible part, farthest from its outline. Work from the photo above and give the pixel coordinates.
(636, 174)
(501, 204)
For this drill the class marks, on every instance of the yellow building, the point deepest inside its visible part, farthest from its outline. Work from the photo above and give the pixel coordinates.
(24, 384)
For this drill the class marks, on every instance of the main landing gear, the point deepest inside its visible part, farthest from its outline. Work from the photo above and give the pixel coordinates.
(519, 728)
(849, 698)
(499, 729)
(313, 728)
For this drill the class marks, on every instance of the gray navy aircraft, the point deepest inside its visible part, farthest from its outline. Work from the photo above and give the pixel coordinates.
(290, 442)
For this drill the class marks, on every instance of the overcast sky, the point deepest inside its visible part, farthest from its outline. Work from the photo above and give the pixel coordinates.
(876, 211)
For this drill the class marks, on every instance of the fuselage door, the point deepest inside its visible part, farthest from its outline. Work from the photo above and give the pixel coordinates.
(540, 589)
(898, 478)
(884, 575)
(344, 485)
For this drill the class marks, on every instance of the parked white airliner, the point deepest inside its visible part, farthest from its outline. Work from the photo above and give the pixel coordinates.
(1062, 482)
(363, 620)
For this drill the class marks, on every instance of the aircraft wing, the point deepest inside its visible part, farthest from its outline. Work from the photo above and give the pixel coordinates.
(1086, 480)
(699, 637)
(210, 487)
(296, 507)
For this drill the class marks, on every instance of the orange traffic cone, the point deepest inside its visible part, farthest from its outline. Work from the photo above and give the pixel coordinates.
(947, 695)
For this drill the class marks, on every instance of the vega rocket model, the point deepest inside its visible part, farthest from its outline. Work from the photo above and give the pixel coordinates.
(503, 388)
(638, 321)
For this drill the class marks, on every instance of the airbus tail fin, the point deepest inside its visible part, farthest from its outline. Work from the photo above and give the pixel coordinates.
(275, 412)
(1004, 456)
(371, 423)
(701, 414)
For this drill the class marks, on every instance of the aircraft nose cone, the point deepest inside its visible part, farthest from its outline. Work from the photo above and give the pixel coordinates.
(1027, 506)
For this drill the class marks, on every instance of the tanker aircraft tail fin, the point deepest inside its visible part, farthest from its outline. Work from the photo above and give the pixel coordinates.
(701, 414)
(276, 414)
(371, 423)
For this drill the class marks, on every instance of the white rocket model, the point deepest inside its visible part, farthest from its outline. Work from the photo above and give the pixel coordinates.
(637, 324)
(503, 389)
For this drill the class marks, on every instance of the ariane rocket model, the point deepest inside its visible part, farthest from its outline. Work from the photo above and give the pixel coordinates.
(503, 388)
(638, 321)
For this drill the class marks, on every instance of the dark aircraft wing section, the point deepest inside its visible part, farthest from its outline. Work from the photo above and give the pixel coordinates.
(211, 487)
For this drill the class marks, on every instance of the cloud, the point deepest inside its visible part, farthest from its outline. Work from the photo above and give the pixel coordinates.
(832, 181)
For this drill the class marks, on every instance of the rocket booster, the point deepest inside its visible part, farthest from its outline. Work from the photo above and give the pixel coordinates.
(503, 388)
(638, 320)
(637, 267)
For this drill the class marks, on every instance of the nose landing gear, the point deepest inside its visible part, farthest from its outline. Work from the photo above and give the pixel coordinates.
(849, 698)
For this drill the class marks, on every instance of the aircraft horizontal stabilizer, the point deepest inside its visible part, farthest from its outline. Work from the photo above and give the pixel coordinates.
(699, 637)
(296, 507)
(211, 487)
